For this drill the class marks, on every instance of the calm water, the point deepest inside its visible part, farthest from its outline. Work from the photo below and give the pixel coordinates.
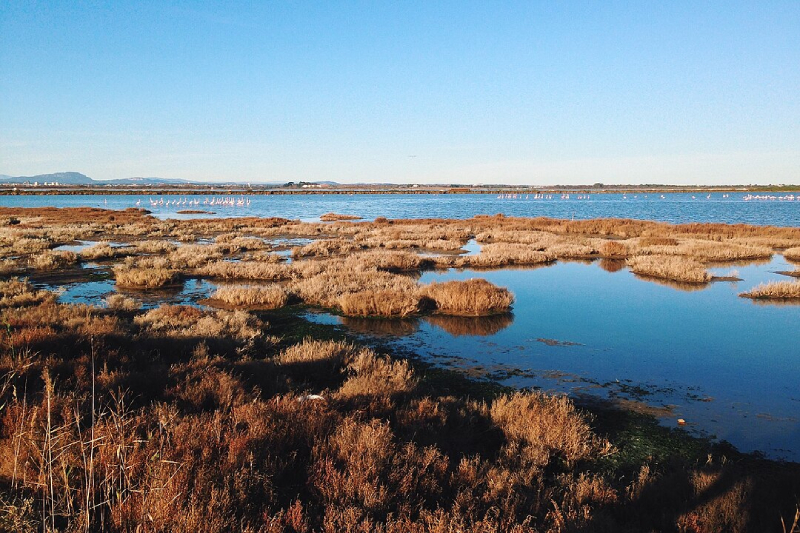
(676, 208)
(728, 366)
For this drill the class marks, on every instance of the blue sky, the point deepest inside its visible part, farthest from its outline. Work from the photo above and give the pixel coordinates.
(408, 92)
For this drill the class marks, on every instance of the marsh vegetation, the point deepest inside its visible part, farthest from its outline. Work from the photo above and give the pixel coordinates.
(182, 418)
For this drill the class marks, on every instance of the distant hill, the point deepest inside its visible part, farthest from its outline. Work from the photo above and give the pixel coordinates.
(76, 178)
(62, 178)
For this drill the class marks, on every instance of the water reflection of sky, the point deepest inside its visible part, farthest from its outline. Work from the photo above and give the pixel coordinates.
(728, 366)
(187, 292)
(669, 207)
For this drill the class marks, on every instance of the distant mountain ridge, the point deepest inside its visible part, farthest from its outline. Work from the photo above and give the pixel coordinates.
(62, 178)
(76, 178)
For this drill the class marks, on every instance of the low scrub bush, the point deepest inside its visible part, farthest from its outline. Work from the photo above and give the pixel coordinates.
(121, 302)
(384, 303)
(372, 375)
(145, 278)
(270, 297)
(475, 297)
(502, 254)
(792, 254)
(18, 292)
(245, 270)
(52, 260)
(775, 290)
(540, 427)
(676, 268)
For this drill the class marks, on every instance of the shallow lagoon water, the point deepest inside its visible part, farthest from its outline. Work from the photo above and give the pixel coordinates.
(188, 292)
(673, 207)
(728, 366)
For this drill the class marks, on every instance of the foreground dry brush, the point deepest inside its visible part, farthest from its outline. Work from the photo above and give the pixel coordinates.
(179, 419)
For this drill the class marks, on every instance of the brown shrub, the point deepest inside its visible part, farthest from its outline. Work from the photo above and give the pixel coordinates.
(311, 351)
(332, 217)
(326, 283)
(26, 245)
(245, 270)
(271, 297)
(195, 255)
(676, 268)
(502, 254)
(187, 321)
(542, 426)
(792, 254)
(51, 260)
(385, 303)
(122, 302)
(775, 290)
(373, 376)
(613, 249)
(144, 277)
(18, 292)
(154, 247)
(325, 248)
(390, 261)
(657, 241)
(723, 251)
(475, 297)
(104, 250)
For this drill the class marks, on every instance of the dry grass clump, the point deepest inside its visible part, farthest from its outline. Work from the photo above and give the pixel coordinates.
(271, 297)
(328, 282)
(613, 249)
(325, 248)
(385, 303)
(390, 261)
(371, 375)
(264, 256)
(18, 292)
(245, 270)
(502, 254)
(576, 250)
(434, 245)
(775, 290)
(237, 243)
(52, 260)
(316, 360)
(145, 277)
(723, 251)
(333, 217)
(104, 250)
(676, 268)
(121, 302)
(30, 245)
(657, 241)
(539, 427)
(475, 297)
(43, 321)
(154, 247)
(792, 254)
(187, 321)
(313, 351)
(195, 255)
(9, 266)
